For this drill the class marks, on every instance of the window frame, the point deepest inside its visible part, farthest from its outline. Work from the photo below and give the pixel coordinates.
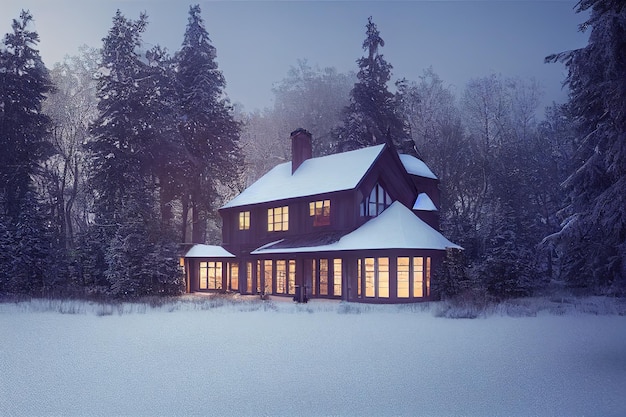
(244, 220)
(377, 201)
(278, 219)
(319, 210)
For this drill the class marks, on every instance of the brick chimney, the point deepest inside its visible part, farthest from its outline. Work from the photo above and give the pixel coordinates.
(301, 148)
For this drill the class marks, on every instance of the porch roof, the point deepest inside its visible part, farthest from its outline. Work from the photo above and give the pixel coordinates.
(208, 251)
(395, 228)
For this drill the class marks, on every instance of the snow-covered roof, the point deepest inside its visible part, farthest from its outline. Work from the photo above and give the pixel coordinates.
(395, 228)
(415, 166)
(424, 203)
(337, 172)
(208, 251)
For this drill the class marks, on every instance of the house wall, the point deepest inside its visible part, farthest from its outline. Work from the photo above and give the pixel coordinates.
(260, 273)
(345, 216)
(264, 275)
(342, 218)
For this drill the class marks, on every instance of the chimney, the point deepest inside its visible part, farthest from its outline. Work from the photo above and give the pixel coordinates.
(301, 148)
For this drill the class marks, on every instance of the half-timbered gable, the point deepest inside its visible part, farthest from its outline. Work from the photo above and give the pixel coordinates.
(358, 226)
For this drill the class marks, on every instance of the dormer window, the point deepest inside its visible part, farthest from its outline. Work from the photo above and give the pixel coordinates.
(278, 219)
(320, 211)
(376, 202)
(244, 220)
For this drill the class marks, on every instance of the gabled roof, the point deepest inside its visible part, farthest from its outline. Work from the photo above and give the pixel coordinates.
(415, 166)
(326, 174)
(208, 251)
(395, 228)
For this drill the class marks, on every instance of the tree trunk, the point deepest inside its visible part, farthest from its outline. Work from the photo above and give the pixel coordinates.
(185, 217)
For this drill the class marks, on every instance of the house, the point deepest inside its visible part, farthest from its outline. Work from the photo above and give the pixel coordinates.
(359, 226)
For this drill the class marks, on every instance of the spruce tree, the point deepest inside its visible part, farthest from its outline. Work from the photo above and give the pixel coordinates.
(210, 132)
(116, 146)
(127, 153)
(592, 241)
(24, 82)
(24, 130)
(373, 115)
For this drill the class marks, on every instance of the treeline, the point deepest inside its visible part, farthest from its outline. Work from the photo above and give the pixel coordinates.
(110, 161)
(105, 176)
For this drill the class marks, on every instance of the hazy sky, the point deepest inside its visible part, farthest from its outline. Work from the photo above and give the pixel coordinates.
(257, 41)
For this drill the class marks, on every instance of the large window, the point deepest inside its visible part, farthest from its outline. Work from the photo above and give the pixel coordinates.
(267, 275)
(337, 277)
(281, 277)
(286, 276)
(320, 211)
(291, 277)
(421, 277)
(376, 277)
(403, 277)
(244, 220)
(234, 276)
(370, 277)
(323, 276)
(376, 202)
(278, 219)
(210, 275)
(418, 277)
(249, 277)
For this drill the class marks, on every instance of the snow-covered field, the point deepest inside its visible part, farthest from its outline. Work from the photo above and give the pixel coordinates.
(247, 357)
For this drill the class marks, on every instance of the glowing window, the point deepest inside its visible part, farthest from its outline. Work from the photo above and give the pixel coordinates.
(418, 277)
(370, 277)
(244, 220)
(278, 219)
(337, 277)
(234, 276)
(375, 277)
(320, 211)
(210, 275)
(291, 280)
(323, 276)
(249, 277)
(403, 277)
(427, 277)
(267, 274)
(281, 277)
(383, 277)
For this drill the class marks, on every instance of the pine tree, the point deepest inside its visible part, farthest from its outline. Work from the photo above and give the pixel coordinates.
(373, 115)
(116, 147)
(29, 262)
(210, 132)
(129, 153)
(24, 82)
(592, 241)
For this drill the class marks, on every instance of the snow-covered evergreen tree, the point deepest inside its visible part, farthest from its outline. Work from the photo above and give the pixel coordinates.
(592, 241)
(127, 153)
(26, 242)
(117, 145)
(210, 132)
(373, 115)
(24, 128)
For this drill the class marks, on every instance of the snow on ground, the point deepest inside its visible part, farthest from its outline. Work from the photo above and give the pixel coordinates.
(249, 357)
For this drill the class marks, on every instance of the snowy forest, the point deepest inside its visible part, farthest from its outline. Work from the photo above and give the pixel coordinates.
(114, 157)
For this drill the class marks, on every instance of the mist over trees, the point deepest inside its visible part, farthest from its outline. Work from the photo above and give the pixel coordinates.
(118, 155)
